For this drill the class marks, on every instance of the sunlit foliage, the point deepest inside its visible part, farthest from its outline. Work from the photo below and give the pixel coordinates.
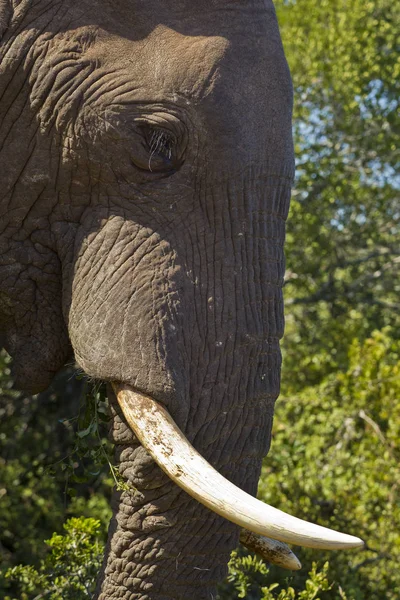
(335, 452)
(68, 572)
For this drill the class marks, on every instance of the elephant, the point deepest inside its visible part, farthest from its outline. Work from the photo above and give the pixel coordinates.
(146, 170)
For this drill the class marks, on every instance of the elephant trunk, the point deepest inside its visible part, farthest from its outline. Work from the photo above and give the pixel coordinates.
(162, 543)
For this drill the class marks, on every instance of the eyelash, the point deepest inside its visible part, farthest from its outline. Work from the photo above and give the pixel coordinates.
(160, 143)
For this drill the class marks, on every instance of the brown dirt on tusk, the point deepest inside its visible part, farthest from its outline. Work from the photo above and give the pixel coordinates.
(272, 551)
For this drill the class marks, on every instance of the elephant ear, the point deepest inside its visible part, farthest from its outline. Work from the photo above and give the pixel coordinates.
(5, 15)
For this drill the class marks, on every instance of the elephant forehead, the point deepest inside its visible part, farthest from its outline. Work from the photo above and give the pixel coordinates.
(239, 80)
(185, 47)
(165, 63)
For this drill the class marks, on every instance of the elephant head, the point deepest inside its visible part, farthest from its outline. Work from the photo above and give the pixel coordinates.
(146, 164)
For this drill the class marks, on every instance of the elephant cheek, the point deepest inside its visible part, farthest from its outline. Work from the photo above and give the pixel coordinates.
(125, 309)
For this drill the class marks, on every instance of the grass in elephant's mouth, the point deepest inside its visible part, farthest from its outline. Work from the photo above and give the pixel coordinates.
(91, 457)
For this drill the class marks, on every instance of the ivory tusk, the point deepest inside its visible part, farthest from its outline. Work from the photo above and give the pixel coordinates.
(272, 551)
(171, 450)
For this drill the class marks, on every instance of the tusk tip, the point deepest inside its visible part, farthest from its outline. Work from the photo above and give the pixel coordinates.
(270, 550)
(295, 565)
(341, 541)
(358, 543)
(349, 542)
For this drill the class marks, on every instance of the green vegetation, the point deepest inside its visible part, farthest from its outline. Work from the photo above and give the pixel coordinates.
(68, 571)
(336, 445)
(47, 473)
(335, 461)
(335, 453)
(243, 572)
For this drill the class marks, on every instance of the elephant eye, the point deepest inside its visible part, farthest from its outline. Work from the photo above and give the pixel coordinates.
(152, 141)
(160, 151)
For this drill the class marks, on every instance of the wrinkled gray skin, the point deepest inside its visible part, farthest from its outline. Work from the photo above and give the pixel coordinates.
(146, 162)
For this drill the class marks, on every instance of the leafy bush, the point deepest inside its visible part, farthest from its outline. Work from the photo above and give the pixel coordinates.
(334, 460)
(70, 568)
(47, 474)
(247, 574)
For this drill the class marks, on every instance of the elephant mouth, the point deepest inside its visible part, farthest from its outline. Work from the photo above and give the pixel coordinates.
(261, 524)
